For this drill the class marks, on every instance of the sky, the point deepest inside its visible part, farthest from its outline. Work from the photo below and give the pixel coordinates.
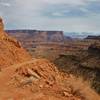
(64, 15)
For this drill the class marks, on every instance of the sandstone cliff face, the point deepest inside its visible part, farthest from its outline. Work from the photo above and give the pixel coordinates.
(1, 25)
(11, 51)
(38, 36)
(42, 43)
(49, 36)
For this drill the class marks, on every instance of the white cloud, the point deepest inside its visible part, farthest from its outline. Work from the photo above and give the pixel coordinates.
(89, 24)
(93, 0)
(29, 14)
(1, 13)
(5, 4)
(69, 2)
(59, 14)
(30, 4)
(84, 10)
(69, 24)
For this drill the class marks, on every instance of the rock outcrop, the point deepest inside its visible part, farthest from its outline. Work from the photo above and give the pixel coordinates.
(1, 25)
(40, 70)
(11, 51)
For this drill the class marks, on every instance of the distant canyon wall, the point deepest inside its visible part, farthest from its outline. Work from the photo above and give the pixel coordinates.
(38, 36)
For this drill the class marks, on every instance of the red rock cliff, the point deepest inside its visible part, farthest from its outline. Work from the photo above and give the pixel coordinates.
(11, 51)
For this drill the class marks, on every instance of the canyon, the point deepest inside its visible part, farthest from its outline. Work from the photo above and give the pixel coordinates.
(73, 56)
(28, 77)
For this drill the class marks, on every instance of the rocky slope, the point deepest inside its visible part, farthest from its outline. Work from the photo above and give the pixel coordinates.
(11, 51)
(39, 79)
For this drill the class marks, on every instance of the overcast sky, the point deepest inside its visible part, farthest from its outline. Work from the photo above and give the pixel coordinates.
(66, 15)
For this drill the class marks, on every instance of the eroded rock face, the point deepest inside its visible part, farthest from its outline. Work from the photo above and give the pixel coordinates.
(37, 35)
(1, 24)
(11, 51)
